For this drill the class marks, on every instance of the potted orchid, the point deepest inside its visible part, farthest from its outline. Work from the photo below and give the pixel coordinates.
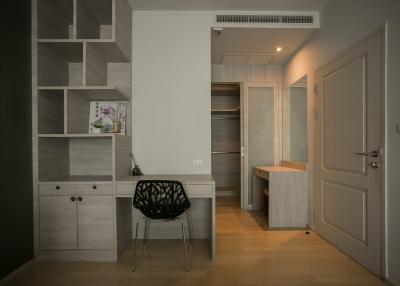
(115, 114)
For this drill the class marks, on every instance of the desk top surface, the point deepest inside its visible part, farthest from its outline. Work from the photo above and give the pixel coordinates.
(185, 179)
(277, 169)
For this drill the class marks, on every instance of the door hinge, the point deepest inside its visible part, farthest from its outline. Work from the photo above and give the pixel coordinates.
(315, 89)
(315, 114)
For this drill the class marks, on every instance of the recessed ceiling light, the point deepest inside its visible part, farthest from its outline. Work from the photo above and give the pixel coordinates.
(278, 49)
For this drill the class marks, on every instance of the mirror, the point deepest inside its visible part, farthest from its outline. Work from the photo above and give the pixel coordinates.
(294, 112)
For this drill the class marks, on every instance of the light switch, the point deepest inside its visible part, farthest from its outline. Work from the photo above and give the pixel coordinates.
(197, 163)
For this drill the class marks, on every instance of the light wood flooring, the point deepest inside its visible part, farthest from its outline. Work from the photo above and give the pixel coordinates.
(246, 255)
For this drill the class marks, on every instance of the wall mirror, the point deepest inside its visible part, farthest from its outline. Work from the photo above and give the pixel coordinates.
(294, 112)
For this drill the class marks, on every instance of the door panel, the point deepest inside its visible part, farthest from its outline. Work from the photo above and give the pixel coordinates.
(58, 225)
(95, 222)
(348, 189)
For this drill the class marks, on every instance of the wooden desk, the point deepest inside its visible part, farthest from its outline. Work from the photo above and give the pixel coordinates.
(287, 191)
(201, 192)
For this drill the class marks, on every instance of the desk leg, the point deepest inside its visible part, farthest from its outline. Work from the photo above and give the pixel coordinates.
(212, 225)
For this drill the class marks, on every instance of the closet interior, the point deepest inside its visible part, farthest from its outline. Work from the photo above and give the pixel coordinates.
(225, 138)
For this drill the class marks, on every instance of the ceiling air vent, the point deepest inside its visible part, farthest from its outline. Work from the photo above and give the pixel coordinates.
(309, 20)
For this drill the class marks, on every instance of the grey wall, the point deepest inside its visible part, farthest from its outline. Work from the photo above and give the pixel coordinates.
(16, 220)
(343, 24)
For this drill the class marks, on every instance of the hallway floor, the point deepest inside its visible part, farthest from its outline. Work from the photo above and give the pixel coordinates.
(246, 255)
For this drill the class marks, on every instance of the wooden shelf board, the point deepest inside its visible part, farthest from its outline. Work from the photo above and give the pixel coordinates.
(103, 135)
(215, 111)
(92, 92)
(74, 179)
(75, 40)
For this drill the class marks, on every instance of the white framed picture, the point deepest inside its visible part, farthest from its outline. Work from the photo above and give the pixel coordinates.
(107, 117)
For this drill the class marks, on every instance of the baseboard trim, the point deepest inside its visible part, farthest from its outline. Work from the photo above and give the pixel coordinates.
(15, 273)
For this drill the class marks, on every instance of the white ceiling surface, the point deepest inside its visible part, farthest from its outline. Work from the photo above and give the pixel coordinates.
(257, 46)
(271, 5)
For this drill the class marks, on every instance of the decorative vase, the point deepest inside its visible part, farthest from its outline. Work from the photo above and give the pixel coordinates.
(116, 127)
(96, 130)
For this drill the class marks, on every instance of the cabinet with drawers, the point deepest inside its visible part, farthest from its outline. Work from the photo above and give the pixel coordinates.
(76, 217)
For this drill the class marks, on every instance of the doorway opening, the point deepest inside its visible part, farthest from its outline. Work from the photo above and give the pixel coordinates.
(247, 112)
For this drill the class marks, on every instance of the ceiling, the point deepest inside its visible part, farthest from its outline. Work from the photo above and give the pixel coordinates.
(267, 5)
(257, 46)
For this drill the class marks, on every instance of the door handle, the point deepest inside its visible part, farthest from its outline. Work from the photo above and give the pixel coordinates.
(374, 153)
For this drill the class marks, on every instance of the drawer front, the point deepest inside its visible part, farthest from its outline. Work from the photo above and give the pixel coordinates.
(126, 189)
(261, 174)
(199, 191)
(76, 189)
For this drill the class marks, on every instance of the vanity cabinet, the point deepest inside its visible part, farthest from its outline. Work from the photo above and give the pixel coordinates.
(76, 221)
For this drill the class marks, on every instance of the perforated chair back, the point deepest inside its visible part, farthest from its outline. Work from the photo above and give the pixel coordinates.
(160, 199)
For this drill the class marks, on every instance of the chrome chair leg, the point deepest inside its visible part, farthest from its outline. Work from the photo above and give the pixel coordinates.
(134, 245)
(184, 244)
(189, 219)
(146, 230)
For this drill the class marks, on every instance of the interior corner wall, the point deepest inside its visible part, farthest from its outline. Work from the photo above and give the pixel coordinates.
(343, 24)
(16, 205)
(171, 91)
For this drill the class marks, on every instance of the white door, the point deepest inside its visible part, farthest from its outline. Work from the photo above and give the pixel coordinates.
(261, 135)
(348, 163)
(57, 220)
(95, 222)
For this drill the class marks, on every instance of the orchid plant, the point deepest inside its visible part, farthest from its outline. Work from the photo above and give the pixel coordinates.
(115, 114)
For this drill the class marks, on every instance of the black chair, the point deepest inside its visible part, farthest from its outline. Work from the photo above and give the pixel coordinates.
(161, 200)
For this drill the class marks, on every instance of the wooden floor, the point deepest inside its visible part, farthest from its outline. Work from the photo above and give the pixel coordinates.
(246, 255)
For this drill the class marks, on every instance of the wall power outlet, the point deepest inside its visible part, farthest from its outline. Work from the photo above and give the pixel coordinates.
(197, 163)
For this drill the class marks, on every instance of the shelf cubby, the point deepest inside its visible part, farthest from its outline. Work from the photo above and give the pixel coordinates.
(98, 57)
(51, 111)
(61, 158)
(94, 19)
(55, 19)
(78, 106)
(60, 64)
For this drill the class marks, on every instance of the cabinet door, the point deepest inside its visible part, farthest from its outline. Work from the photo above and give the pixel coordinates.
(58, 223)
(95, 222)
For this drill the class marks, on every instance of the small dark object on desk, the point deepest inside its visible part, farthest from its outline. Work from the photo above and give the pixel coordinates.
(136, 171)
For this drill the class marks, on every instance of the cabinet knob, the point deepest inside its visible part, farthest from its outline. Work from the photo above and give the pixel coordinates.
(94, 187)
(57, 187)
(72, 199)
(80, 199)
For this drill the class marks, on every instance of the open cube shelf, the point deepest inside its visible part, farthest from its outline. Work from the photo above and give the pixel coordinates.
(60, 64)
(51, 111)
(61, 158)
(94, 19)
(55, 19)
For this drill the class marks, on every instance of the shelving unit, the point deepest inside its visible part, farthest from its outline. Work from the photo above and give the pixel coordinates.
(81, 53)
(225, 138)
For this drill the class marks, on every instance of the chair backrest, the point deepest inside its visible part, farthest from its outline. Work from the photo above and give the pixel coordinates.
(160, 199)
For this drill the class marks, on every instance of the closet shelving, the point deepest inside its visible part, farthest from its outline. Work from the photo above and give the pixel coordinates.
(82, 53)
(225, 129)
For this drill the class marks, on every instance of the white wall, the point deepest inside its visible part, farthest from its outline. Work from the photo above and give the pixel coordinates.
(171, 91)
(343, 24)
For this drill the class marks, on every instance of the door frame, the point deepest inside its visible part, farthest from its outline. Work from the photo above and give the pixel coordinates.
(316, 204)
(244, 196)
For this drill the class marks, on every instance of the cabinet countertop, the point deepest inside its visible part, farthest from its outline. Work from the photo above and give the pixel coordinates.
(277, 169)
